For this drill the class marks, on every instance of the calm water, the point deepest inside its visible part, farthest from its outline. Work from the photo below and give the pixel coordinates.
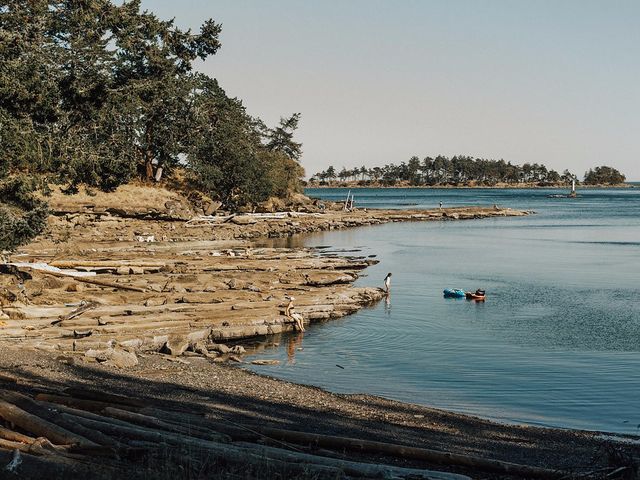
(556, 343)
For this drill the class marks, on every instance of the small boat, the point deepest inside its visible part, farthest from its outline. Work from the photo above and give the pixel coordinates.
(478, 295)
(453, 293)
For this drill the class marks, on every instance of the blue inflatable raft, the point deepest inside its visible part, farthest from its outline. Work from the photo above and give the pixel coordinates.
(454, 293)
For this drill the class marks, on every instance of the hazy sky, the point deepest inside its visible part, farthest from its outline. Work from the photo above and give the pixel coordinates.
(555, 82)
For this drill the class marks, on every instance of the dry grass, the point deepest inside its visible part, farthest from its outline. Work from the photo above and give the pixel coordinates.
(129, 197)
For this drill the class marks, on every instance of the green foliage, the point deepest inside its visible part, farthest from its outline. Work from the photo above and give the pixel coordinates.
(223, 151)
(464, 170)
(22, 214)
(280, 139)
(95, 92)
(228, 155)
(283, 173)
(603, 176)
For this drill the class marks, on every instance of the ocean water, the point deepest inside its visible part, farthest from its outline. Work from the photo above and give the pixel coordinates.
(556, 343)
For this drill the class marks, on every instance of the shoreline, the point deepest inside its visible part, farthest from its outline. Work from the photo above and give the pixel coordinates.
(188, 281)
(230, 395)
(478, 187)
(108, 244)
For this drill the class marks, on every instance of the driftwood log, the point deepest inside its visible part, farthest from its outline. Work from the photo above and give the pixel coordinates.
(40, 427)
(101, 283)
(403, 451)
(112, 398)
(132, 431)
(126, 428)
(355, 469)
(79, 403)
(156, 423)
(12, 436)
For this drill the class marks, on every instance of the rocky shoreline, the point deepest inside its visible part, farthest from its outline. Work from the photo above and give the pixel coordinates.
(168, 288)
(114, 282)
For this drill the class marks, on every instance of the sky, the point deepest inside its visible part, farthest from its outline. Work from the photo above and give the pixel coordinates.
(549, 81)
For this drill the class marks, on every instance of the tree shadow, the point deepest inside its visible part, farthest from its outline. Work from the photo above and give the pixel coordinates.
(242, 398)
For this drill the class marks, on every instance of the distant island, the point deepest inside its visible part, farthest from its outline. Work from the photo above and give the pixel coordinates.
(462, 171)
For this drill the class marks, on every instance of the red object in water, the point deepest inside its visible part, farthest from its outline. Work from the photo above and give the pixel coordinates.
(477, 296)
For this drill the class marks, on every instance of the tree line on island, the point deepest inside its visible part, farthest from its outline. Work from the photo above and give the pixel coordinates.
(461, 170)
(98, 94)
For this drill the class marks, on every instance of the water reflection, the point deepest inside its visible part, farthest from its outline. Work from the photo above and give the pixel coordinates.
(294, 343)
(387, 304)
(265, 345)
(293, 241)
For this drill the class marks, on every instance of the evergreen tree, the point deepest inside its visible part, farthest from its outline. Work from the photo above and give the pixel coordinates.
(604, 176)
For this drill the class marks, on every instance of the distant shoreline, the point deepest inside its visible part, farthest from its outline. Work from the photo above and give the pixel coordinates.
(475, 187)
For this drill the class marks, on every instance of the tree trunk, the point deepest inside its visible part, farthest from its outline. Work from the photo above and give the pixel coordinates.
(402, 451)
(148, 169)
(12, 436)
(350, 468)
(38, 426)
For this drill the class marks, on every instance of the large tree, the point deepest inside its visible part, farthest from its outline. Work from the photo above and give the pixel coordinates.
(93, 92)
(233, 156)
(97, 90)
(280, 139)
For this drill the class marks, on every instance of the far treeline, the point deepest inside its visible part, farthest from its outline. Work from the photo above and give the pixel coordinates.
(463, 170)
(98, 94)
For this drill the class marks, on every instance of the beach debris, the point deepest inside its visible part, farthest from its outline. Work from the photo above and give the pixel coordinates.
(82, 333)
(265, 362)
(220, 348)
(94, 424)
(81, 308)
(44, 267)
(146, 238)
(16, 460)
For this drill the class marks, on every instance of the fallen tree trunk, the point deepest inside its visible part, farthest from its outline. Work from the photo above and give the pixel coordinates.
(227, 453)
(77, 312)
(99, 438)
(12, 445)
(12, 436)
(39, 426)
(356, 469)
(155, 423)
(82, 404)
(84, 414)
(104, 397)
(236, 432)
(402, 451)
(101, 283)
(147, 434)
